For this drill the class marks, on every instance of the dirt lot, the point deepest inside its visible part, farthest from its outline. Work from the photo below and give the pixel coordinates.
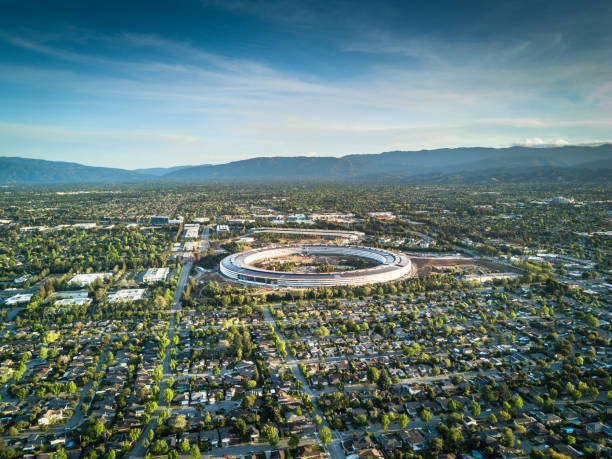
(309, 263)
(473, 265)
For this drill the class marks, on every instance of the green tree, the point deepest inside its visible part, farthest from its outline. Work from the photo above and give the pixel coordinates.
(475, 408)
(325, 435)
(385, 421)
(436, 445)
(321, 332)
(384, 381)
(576, 395)
(158, 374)
(270, 433)
(184, 447)
(591, 320)
(294, 441)
(518, 402)
(240, 427)
(168, 395)
(158, 447)
(402, 420)
(71, 387)
(150, 406)
(425, 415)
(178, 423)
(195, 452)
(248, 401)
(134, 434)
(509, 439)
(50, 336)
(373, 374)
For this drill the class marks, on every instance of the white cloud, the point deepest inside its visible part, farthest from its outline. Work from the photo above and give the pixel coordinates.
(539, 123)
(538, 142)
(245, 108)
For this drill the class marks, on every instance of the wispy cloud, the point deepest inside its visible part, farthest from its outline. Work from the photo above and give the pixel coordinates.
(539, 123)
(407, 90)
(64, 135)
(602, 95)
(537, 142)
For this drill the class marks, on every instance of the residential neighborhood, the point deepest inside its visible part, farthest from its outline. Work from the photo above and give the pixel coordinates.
(489, 348)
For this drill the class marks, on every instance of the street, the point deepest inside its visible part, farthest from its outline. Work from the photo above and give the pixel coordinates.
(139, 449)
(335, 447)
(205, 242)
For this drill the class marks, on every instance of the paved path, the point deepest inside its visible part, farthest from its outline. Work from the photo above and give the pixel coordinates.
(335, 448)
(251, 448)
(79, 416)
(139, 449)
(205, 241)
(10, 316)
(377, 429)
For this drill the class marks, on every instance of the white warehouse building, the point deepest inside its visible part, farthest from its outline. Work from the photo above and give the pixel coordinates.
(153, 275)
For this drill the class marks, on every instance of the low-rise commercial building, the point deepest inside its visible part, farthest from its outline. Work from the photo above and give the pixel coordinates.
(130, 294)
(86, 279)
(153, 275)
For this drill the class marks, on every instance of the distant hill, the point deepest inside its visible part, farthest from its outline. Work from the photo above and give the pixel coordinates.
(405, 165)
(24, 171)
(159, 171)
(518, 175)
(449, 165)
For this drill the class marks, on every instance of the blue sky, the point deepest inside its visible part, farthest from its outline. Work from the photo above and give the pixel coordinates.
(145, 84)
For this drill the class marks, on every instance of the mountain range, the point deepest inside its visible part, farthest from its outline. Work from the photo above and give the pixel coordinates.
(448, 165)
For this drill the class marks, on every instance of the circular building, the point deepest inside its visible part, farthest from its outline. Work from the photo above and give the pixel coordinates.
(388, 266)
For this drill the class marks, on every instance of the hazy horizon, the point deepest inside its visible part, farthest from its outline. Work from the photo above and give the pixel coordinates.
(176, 165)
